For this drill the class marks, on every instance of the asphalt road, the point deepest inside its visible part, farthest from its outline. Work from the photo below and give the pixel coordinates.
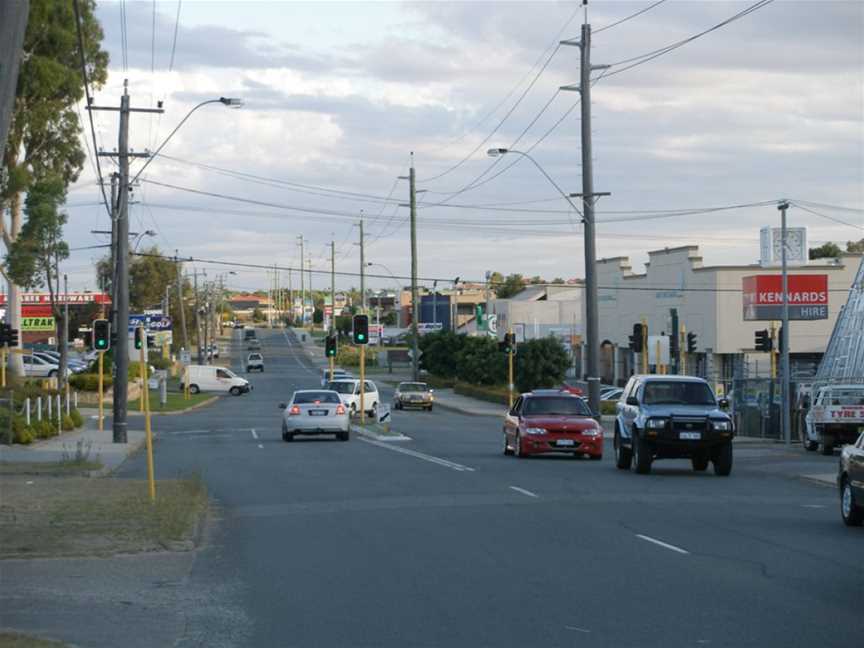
(321, 543)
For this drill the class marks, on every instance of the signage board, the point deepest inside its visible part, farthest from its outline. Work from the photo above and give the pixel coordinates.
(185, 357)
(807, 297)
(150, 322)
(38, 324)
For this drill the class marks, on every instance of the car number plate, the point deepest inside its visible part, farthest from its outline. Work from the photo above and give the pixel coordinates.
(690, 435)
(565, 442)
(317, 412)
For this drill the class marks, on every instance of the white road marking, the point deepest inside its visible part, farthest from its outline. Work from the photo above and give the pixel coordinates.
(254, 434)
(576, 629)
(295, 354)
(523, 491)
(29, 482)
(660, 543)
(260, 446)
(420, 455)
(814, 506)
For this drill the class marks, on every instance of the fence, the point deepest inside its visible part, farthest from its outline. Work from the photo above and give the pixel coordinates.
(756, 407)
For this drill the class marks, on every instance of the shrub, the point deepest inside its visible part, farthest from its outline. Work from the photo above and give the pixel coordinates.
(24, 435)
(135, 370)
(19, 432)
(540, 363)
(159, 362)
(77, 419)
(44, 429)
(491, 393)
(349, 356)
(67, 423)
(480, 362)
(89, 382)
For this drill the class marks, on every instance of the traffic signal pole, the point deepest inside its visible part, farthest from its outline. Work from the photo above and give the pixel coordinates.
(101, 397)
(148, 432)
(332, 359)
(510, 338)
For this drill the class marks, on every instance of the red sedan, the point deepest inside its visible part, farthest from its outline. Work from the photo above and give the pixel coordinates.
(546, 421)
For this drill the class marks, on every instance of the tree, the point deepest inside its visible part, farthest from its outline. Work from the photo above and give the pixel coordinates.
(827, 251)
(558, 281)
(318, 316)
(855, 247)
(512, 285)
(439, 351)
(44, 136)
(34, 256)
(389, 318)
(479, 362)
(540, 363)
(149, 275)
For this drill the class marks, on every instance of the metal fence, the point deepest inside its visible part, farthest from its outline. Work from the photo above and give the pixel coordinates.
(755, 406)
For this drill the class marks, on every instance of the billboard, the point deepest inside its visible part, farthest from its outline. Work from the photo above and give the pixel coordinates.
(807, 297)
(150, 322)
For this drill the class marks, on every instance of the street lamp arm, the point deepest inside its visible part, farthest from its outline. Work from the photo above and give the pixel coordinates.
(502, 151)
(222, 100)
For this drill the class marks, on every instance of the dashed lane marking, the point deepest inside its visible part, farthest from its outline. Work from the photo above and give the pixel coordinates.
(660, 543)
(523, 491)
(420, 455)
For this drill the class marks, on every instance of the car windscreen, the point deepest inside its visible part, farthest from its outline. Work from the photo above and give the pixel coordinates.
(341, 387)
(413, 387)
(555, 405)
(303, 398)
(659, 392)
(255, 356)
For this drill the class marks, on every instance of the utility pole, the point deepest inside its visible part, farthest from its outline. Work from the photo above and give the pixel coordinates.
(332, 289)
(589, 197)
(302, 286)
(415, 311)
(311, 294)
(121, 261)
(290, 297)
(362, 268)
(197, 316)
(784, 328)
(180, 303)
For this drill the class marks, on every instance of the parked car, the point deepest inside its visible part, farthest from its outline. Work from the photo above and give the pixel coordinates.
(611, 394)
(413, 394)
(75, 366)
(552, 421)
(315, 412)
(850, 480)
(254, 361)
(666, 417)
(349, 390)
(39, 367)
(203, 378)
(338, 374)
(249, 334)
(835, 418)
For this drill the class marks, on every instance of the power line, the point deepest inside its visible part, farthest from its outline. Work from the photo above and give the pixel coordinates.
(174, 41)
(854, 210)
(630, 17)
(123, 37)
(89, 102)
(831, 218)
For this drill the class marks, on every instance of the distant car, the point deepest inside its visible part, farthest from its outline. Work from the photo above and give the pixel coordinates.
(203, 378)
(552, 421)
(413, 394)
(611, 394)
(338, 374)
(672, 417)
(249, 334)
(254, 361)
(315, 412)
(349, 390)
(74, 365)
(850, 480)
(38, 367)
(238, 325)
(253, 345)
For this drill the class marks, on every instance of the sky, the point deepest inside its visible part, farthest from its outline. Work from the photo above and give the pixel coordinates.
(338, 95)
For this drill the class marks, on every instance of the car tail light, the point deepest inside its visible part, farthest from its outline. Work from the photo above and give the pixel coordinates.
(340, 409)
(294, 410)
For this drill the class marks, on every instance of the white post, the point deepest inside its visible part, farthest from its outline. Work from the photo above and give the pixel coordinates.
(38, 408)
(59, 415)
(49, 407)
(75, 396)
(27, 410)
(68, 403)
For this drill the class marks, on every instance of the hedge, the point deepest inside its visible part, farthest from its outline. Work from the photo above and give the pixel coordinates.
(89, 382)
(492, 393)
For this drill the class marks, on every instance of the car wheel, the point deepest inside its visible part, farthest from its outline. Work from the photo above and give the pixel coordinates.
(700, 462)
(641, 456)
(235, 391)
(826, 448)
(507, 450)
(248, 369)
(853, 515)
(287, 437)
(517, 447)
(343, 436)
(353, 410)
(193, 389)
(809, 446)
(374, 411)
(623, 457)
(52, 373)
(595, 457)
(723, 460)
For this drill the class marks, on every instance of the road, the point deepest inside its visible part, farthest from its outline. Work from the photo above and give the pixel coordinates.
(320, 543)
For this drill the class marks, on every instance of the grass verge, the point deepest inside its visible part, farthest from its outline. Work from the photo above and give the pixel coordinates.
(15, 640)
(49, 469)
(175, 403)
(75, 516)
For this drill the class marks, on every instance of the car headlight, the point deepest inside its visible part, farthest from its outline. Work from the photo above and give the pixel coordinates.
(533, 430)
(656, 424)
(722, 426)
(592, 432)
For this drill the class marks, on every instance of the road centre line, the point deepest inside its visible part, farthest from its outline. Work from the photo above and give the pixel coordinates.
(296, 355)
(254, 434)
(523, 491)
(420, 455)
(260, 446)
(660, 543)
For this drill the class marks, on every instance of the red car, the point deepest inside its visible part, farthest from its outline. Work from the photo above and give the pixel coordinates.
(545, 421)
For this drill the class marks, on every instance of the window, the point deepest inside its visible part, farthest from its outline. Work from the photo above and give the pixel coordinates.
(516, 406)
(341, 387)
(662, 392)
(221, 373)
(413, 387)
(555, 406)
(302, 398)
(370, 387)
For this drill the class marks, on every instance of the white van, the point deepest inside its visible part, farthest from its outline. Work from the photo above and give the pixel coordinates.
(217, 379)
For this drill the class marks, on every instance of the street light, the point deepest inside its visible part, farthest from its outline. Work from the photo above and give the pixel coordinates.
(592, 342)
(139, 237)
(231, 102)
(398, 292)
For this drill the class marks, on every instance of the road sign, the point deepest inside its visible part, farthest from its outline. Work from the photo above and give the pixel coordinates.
(492, 323)
(186, 357)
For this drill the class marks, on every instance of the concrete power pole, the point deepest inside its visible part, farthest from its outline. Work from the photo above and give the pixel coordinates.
(302, 285)
(415, 310)
(180, 303)
(332, 287)
(784, 337)
(13, 26)
(362, 268)
(197, 316)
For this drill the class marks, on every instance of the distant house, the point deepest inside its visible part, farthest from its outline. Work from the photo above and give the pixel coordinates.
(244, 305)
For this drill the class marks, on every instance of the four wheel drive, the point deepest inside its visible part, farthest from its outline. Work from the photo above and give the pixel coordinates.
(850, 480)
(349, 391)
(672, 417)
(254, 361)
(546, 420)
(413, 394)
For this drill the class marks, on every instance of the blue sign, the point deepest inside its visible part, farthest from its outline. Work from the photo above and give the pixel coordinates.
(150, 322)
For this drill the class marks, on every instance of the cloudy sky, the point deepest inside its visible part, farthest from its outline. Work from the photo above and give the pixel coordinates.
(338, 95)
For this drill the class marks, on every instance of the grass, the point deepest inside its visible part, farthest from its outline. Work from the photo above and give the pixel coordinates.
(376, 428)
(15, 640)
(75, 516)
(51, 469)
(175, 403)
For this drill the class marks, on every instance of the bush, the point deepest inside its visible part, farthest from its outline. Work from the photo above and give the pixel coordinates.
(90, 382)
(77, 419)
(67, 423)
(24, 435)
(19, 433)
(349, 356)
(491, 393)
(540, 363)
(479, 362)
(158, 362)
(135, 370)
(44, 429)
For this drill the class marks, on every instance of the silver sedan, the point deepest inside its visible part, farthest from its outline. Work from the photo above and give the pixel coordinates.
(315, 411)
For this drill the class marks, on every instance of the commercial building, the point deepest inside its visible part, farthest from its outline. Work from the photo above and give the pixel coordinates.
(38, 325)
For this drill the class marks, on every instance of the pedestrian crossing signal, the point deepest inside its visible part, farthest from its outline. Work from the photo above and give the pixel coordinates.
(361, 329)
(330, 346)
(101, 335)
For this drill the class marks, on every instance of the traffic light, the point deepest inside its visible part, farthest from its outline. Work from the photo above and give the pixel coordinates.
(8, 335)
(763, 340)
(691, 342)
(140, 337)
(636, 338)
(330, 346)
(101, 335)
(508, 344)
(361, 329)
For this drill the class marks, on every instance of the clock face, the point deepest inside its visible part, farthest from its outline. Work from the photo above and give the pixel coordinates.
(794, 244)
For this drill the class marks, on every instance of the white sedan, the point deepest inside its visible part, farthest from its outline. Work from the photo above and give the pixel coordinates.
(315, 411)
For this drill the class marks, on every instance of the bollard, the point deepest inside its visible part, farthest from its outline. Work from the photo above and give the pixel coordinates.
(75, 397)
(163, 392)
(68, 410)
(59, 416)
(49, 407)
(38, 408)
(27, 410)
